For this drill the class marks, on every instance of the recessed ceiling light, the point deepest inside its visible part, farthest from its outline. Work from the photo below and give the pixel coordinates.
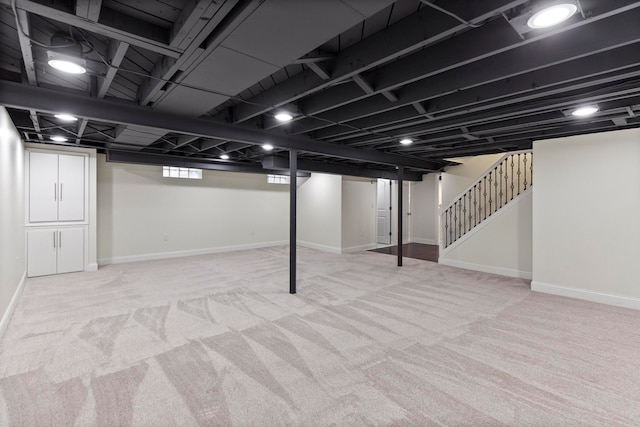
(406, 141)
(67, 66)
(224, 156)
(267, 147)
(66, 117)
(552, 15)
(283, 117)
(59, 138)
(585, 111)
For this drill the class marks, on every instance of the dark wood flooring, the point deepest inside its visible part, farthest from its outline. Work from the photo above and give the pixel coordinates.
(413, 250)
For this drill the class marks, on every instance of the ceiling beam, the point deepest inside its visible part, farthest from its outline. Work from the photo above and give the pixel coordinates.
(22, 21)
(319, 70)
(152, 44)
(218, 165)
(588, 40)
(208, 144)
(364, 85)
(420, 29)
(49, 100)
(117, 51)
(282, 163)
(182, 141)
(315, 56)
(214, 23)
(89, 9)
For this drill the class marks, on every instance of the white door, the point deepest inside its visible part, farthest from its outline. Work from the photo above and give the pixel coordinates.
(70, 250)
(41, 252)
(43, 187)
(71, 188)
(384, 212)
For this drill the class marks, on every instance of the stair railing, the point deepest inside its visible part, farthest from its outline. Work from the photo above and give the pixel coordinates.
(501, 183)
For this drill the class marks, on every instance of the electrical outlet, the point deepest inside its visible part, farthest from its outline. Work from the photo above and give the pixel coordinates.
(165, 237)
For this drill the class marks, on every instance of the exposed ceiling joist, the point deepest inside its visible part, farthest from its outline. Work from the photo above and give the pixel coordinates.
(49, 100)
(183, 141)
(492, 120)
(319, 70)
(117, 51)
(466, 53)
(89, 9)
(146, 42)
(207, 15)
(22, 21)
(621, 30)
(590, 71)
(412, 33)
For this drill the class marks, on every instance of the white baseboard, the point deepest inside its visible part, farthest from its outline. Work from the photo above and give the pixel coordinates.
(12, 305)
(583, 294)
(424, 241)
(92, 267)
(486, 268)
(323, 248)
(191, 252)
(360, 248)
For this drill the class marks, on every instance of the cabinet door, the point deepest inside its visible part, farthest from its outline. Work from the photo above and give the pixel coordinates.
(41, 252)
(43, 187)
(70, 250)
(71, 188)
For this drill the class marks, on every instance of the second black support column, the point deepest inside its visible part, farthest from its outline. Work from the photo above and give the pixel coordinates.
(400, 179)
(293, 195)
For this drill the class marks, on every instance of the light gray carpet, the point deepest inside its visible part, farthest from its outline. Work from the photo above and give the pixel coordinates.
(217, 340)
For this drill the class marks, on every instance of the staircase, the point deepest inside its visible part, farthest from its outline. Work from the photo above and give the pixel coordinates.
(500, 184)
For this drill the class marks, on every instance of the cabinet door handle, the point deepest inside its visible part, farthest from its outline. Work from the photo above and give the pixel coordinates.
(54, 240)
(60, 191)
(59, 239)
(55, 192)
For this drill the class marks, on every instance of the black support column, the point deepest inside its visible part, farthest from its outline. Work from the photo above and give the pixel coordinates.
(400, 179)
(293, 195)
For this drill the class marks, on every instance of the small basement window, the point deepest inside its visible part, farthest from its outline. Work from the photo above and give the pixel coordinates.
(277, 179)
(176, 172)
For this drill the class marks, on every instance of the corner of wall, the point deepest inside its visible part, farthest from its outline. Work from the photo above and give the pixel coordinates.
(12, 240)
(12, 305)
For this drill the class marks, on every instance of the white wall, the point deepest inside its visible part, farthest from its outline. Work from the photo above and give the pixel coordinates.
(358, 214)
(456, 179)
(585, 217)
(501, 244)
(424, 210)
(320, 212)
(137, 208)
(12, 240)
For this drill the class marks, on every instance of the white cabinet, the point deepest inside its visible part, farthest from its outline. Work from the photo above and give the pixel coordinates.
(56, 187)
(54, 250)
(56, 211)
